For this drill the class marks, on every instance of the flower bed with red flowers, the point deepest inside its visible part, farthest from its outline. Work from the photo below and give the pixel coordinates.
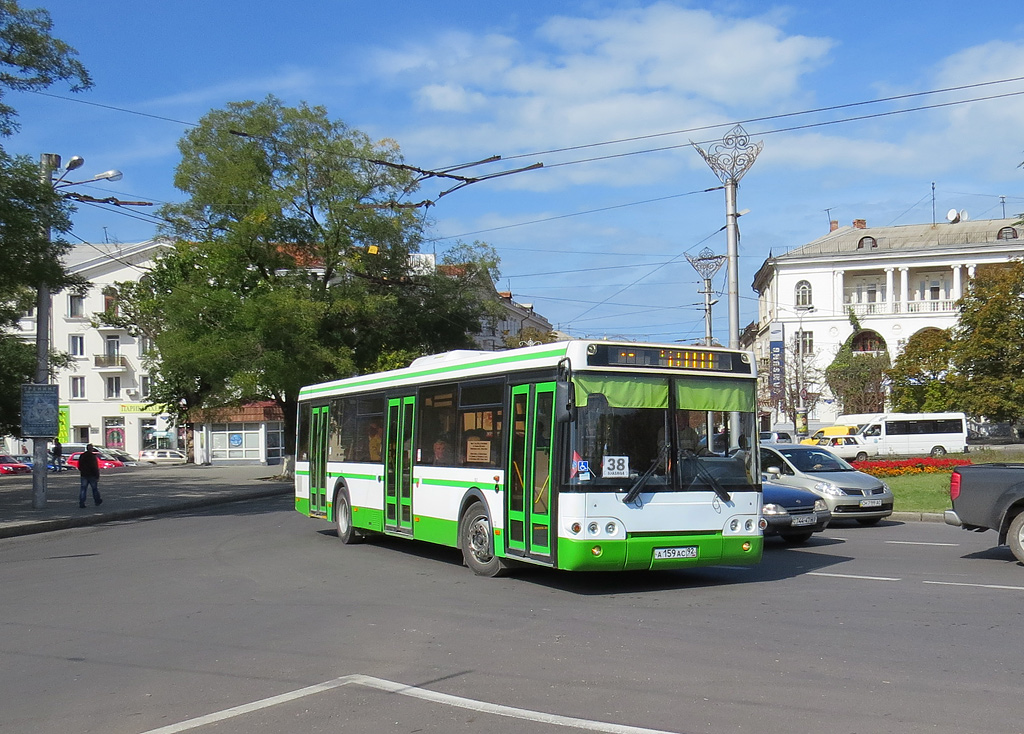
(902, 467)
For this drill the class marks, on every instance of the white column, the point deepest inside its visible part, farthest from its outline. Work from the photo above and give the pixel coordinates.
(904, 289)
(838, 285)
(956, 283)
(889, 300)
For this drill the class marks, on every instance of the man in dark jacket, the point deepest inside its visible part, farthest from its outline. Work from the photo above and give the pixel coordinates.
(89, 469)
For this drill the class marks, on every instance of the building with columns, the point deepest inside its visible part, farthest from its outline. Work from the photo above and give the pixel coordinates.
(898, 281)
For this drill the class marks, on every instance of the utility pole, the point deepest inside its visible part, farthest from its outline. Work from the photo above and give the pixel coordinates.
(48, 164)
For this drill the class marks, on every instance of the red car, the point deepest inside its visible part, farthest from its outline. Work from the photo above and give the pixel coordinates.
(105, 462)
(9, 465)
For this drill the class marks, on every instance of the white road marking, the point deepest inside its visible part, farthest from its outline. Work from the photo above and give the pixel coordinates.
(914, 542)
(979, 586)
(851, 576)
(414, 692)
(250, 707)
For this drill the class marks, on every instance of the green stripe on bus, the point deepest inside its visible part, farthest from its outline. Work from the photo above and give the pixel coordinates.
(460, 485)
(346, 475)
(380, 380)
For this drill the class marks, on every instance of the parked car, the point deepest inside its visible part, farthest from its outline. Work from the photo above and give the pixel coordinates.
(851, 448)
(793, 514)
(163, 456)
(105, 461)
(848, 493)
(123, 456)
(10, 465)
(828, 432)
(775, 437)
(989, 497)
(30, 461)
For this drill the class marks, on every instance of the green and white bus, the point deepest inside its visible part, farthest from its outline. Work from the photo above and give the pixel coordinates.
(577, 455)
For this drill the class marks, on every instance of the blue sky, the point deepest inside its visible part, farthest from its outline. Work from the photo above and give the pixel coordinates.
(597, 246)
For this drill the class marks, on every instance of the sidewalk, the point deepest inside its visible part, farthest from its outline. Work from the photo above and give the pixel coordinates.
(134, 491)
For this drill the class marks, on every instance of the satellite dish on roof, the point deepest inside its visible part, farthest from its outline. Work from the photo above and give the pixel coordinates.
(964, 216)
(953, 216)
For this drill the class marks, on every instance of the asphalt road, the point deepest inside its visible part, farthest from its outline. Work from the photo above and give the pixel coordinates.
(251, 618)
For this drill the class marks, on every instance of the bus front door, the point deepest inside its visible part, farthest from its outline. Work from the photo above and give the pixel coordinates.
(529, 477)
(398, 434)
(319, 427)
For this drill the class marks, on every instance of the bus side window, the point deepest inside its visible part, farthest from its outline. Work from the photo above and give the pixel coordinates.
(302, 442)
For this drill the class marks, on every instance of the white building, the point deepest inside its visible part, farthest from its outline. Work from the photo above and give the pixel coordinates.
(104, 395)
(896, 280)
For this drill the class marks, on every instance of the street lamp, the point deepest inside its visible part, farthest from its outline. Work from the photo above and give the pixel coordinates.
(730, 159)
(800, 424)
(48, 164)
(707, 263)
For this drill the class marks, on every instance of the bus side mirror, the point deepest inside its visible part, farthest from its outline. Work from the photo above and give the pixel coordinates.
(565, 404)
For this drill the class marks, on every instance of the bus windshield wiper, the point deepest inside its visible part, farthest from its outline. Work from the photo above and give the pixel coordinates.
(638, 485)
(707, 476)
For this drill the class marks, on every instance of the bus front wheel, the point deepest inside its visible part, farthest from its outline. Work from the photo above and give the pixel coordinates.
(477, 542)
(347, 534)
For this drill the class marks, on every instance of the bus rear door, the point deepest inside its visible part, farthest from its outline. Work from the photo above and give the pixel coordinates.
(529, 477)
(398, 434)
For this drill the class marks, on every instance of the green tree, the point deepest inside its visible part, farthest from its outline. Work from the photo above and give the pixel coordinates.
(30, 59)
(922, 377)
(291, 264)
(858, 379)
(988, 349)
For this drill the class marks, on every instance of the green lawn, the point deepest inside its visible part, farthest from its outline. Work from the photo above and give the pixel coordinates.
(920, 492)
(930, 492)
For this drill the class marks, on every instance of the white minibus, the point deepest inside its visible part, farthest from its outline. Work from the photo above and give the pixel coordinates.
(914, 434)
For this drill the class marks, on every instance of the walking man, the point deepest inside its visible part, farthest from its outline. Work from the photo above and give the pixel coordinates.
(89, 469)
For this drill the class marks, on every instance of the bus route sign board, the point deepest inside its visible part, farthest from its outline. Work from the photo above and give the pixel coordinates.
(40, 411)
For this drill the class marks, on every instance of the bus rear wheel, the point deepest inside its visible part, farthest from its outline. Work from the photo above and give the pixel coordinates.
(476, 539)
(347, 534)
(938, 451)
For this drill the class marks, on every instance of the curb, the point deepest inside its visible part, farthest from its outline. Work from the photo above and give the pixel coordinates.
(63, 523)
(917, 516)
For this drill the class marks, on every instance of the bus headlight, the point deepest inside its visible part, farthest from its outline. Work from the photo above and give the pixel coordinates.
(593, 528)
(610, 528)
(575, 528)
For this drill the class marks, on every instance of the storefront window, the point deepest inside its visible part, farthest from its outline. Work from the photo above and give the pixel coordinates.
(113, 433)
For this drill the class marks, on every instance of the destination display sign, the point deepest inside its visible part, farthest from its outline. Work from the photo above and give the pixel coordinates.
(606, 355)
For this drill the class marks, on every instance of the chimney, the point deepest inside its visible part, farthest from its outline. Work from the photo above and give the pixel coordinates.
(860, 224)
(833, 225)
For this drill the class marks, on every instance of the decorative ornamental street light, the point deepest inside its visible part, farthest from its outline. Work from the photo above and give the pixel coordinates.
(730, 159)
(48, 164)
(707, 264)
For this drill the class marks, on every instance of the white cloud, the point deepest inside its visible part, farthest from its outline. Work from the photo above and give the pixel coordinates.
(587, 79)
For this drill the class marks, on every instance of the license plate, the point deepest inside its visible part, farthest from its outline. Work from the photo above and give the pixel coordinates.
(871, 503)
(799, 520)
(686, 551)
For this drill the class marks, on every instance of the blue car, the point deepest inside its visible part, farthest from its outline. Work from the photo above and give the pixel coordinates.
(793, 514)
(30, 461)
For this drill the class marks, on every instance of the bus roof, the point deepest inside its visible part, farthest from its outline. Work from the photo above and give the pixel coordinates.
(462, 364)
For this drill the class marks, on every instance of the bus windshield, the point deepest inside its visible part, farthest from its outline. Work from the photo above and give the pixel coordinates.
(678, 433)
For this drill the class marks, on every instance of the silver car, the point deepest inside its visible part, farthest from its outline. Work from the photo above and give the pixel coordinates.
(849, 494)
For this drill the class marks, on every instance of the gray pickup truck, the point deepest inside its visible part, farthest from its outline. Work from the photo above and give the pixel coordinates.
(990, 497)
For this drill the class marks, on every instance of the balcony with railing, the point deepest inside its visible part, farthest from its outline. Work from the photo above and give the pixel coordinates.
(111, 362)
(881, 308)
